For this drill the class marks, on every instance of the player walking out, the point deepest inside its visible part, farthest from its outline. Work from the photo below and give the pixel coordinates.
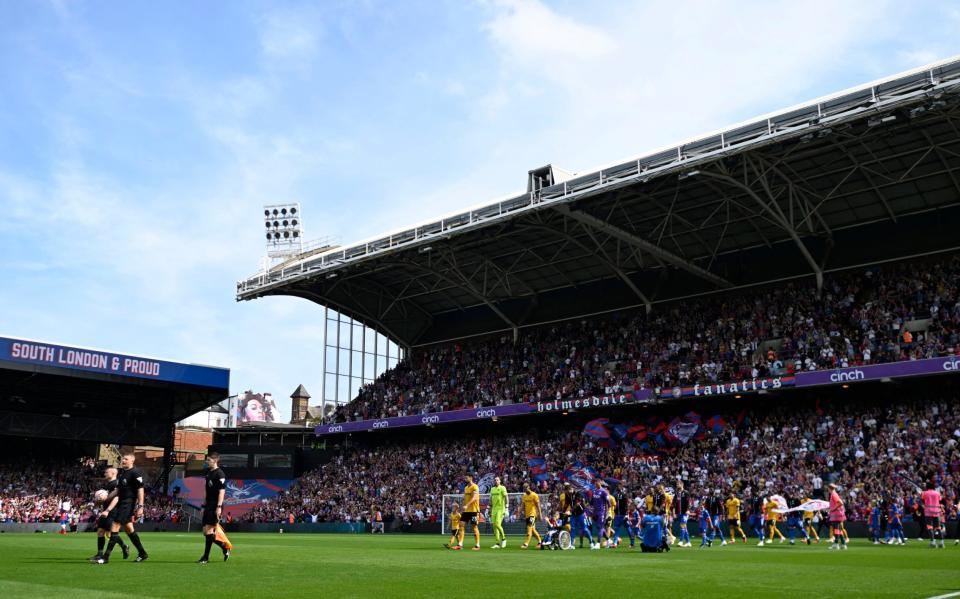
(681, 504)
(498, 507)
(771, 517)
(471, 512)
(530, 504)
(931, 514)
(566, 506)
(706, 525)
(733, 518)
(837, 516)
(601, 504)
(454, 528)
(756, 517)
(667, 512)
(716, 514)
(580, 527)
(128, 501)
(105, 522)
(895, 531)
(216, 485)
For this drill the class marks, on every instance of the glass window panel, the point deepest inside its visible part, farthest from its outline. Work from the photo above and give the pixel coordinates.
(330, 387)
(356, 364)
(331, 332)
(344, 393)
(382, 346)
(344, 334)
(344, 366)
(369, 341)
(368, 366)
(330, 354)
(357, 337)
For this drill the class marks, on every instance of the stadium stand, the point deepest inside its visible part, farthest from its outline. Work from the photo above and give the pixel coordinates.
(896, 312)
(871, 449)
(37, 491)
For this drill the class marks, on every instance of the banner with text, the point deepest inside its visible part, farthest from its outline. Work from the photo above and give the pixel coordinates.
(517, 409)
(89, 360)
(945, 365)
(876, 372)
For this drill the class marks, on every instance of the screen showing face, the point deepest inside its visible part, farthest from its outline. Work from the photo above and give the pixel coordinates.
(258, 408)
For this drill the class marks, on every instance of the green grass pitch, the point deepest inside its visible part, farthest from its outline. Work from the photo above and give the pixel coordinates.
(319, 565)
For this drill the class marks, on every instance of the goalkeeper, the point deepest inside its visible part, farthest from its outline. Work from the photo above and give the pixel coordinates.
(498, 507)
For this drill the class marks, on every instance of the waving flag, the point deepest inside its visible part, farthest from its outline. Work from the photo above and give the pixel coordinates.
(597, 428)
(717, 424)
(781, 502)
(684, 428)
(637, 433)
(620, 431)
(538, 468)
(581, 476)
(814, 505)
(486, 482)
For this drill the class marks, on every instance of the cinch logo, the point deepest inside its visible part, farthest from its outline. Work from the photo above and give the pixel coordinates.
(853, 375)
(430, 419)
(335, 429)
(381, 424)
(486, 413)
(952, 364)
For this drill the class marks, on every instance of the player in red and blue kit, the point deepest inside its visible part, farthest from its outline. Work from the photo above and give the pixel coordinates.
(681, 503)
(717, 507)
(580, 520)
(634, 518)
(756, 516)
(621, 517)
(874, 524)
(895, 530)
(706, 525)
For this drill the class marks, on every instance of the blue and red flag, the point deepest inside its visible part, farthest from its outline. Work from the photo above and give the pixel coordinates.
(717, 424)
(538, 467)
(597, 428)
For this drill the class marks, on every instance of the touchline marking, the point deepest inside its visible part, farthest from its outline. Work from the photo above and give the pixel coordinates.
(957, 594)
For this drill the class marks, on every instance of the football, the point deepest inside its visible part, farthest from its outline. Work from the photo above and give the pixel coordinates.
(101, 495)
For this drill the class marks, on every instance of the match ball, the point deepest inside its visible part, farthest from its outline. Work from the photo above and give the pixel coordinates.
(101, 495)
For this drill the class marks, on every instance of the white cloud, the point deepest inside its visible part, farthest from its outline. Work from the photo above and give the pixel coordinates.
(531, 33)
(290, 38)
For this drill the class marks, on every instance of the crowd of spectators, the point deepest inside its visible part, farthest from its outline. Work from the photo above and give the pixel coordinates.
(871, 451)
(36, 491)
(901, 311)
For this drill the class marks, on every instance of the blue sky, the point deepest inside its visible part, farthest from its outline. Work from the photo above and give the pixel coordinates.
(138, 140)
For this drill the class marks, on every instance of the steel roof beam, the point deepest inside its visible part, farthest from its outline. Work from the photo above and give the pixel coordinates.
(773, 210)
(651, 248)
(602, 258)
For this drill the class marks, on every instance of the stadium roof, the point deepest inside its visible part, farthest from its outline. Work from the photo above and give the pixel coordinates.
(54, 391)
(861, 176)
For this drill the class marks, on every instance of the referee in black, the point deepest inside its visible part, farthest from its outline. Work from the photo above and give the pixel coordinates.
(213, 507)
(125, 506)
(104, 521)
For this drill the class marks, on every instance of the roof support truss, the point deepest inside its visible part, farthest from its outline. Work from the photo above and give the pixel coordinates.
(651, 248)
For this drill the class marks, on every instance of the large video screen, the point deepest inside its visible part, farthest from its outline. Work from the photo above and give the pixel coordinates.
(256, 407)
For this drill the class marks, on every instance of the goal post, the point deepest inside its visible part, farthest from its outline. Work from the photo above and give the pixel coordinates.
(512, 524)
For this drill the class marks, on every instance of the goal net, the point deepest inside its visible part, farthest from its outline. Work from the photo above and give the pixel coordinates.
(513, 523)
